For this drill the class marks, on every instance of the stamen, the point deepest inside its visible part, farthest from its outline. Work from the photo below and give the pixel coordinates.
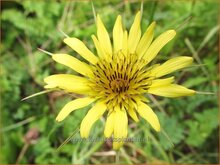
(121, 78)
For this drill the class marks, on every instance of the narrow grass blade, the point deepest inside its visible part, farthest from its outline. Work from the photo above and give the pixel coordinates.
(211, 33)
(44, 51)
(68, 139)
(205, 93)
(63, 33)
(93, 10)
(167, 136)
(36, 94)
(18, 124)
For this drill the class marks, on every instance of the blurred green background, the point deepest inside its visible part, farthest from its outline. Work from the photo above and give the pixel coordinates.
(29, 133)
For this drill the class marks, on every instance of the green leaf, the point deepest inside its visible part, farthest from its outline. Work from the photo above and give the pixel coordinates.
(201, 127)
(173, 129)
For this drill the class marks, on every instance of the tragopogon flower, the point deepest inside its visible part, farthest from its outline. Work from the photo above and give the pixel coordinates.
(117, 78)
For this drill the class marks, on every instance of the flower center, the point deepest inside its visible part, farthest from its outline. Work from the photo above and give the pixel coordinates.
(119, 85)
(120, 77)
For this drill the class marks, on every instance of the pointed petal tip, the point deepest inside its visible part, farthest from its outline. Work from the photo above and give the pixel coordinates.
(137, 120)
(46, 80)
(65, 40)
(138, 16)
(58, 119)
(172, 32)
(153, 24)
(119, 17)
(98, 17)
(83, 135)
(138, 13)
(107, 135)
(116, 146)
(158, 129)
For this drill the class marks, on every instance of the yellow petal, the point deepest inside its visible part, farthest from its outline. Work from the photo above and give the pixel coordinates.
(73, 63)
(49, 86)
(109, 125)
(118, 34)
(147, 113)
(171, 66)
(103, 37)
(133, 114)
(161, 82)
(81, 49)
(91, 117)
(99, 49)
(158, 44)
(125, 43)
(134, 33)
(68, 82)
(172, 90)
(146, 40)
(120, 128)
(73, 105)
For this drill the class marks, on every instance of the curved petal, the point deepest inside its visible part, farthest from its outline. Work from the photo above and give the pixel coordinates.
(147, 113)
(133, 114)
(172, 90)
(146, 40)
(68, 82)
(134, 33)
(103, 36)
(73, 63)
(171, 66)
(73, 105)
(81, 49)
(109, 125)
(98, 47)
(161, 82)
(91, 117)
(120, 128)
(118, 35)
(158, 44)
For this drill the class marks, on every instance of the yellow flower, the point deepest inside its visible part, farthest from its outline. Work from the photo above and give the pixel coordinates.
(118, 77)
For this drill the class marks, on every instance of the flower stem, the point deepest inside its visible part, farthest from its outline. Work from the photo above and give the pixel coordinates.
(117, 157)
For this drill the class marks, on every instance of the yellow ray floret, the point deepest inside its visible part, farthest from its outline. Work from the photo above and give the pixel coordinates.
(146, 40)
(171, 66)
(103, 36)
(81, 49)
(109, 125)
(68, 82)
(134, 33)
(172, 90)
(118, 34)
(120, 128)
(147, 113)
(73, 105)
(91, 117)
(158, 44)
(73, 63)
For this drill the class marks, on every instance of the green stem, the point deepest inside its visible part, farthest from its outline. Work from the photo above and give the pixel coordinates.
(117, 157)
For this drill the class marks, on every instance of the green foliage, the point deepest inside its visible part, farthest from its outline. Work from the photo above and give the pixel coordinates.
(189, 123)
(198, 131)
